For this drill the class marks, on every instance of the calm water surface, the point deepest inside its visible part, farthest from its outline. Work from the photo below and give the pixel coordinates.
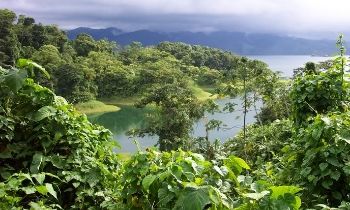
(286, 63)
(129, 117)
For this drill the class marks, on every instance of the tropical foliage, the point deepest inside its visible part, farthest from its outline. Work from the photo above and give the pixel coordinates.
(53, 158)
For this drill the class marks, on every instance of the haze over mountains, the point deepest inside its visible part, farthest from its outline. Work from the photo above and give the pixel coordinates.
(237, 42)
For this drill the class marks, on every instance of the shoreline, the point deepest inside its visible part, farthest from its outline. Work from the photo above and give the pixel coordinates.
(95, 107)
(115, 103)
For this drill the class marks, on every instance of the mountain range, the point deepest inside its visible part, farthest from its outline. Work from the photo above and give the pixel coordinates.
(237, 42)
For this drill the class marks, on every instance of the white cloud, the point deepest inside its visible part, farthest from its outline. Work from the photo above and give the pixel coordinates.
(283, 16)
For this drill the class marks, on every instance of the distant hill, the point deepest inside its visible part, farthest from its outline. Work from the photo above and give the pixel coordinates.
(238, 42)
(108, 33)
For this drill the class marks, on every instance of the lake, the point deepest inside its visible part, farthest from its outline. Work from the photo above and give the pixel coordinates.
(130, 117)
(287, 63)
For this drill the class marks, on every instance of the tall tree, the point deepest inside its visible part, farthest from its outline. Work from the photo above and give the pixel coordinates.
(178, 109)
(83, 44)
(9, 46)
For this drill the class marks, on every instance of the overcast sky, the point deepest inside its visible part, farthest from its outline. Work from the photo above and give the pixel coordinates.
(304, 18)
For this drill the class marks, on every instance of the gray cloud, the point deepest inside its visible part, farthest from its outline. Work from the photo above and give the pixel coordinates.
(313, 18)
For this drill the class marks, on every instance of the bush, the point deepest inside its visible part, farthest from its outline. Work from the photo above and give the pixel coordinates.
(263, 143)
(49, 154)
(319, 162)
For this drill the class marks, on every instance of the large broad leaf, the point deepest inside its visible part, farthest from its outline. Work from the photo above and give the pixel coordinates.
(39, 177)
(147, 181)
(44, 112)
(51, 190)
(218, 170)
(256, 196)
(26, 63)
(236, 164)
(193, 199)
(241, 162)
(286, 195)
(15, 79)
(29, 190)
(165, 196)
(42, 189)
(36, 163)
(282, 190)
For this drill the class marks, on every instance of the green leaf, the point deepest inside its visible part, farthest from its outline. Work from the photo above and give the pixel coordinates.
(15, 79)
(26, 176)
(335, 175)
(217, 169)
(327, 183)
(148, 180)
(42, 189)
(241, 162)
(29, 190)
(165, 196)
(244, 206)
(297, 202)
(337, 195)
(316, 133)
(282, 190)
(36, 163)
(256, 196)
(164, 175)
(25, 63)
(51, 190)
(76, 184)
(323, 166)
(44, 112)
(326, 120)
(306, 171)
(334, 161)
(193, 199)
(345, 139)
(235, 164)
(57, 161)
(39, 177)
(35, 206)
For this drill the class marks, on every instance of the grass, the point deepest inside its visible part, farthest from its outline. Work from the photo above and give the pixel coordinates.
(201, 93)
(198, 91)
(209, 88)
(93, 107)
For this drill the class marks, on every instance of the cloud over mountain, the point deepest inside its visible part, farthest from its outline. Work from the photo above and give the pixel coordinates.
(313, 18)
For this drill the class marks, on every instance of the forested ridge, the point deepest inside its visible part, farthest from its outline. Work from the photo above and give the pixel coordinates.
(235, 41)
(296, 156)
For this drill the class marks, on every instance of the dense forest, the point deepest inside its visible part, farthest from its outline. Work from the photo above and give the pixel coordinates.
(296, 155)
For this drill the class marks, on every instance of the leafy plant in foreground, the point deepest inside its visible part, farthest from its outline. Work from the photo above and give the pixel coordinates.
(321, 157)
(51, 155)
(185, 180)
(179, 180)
